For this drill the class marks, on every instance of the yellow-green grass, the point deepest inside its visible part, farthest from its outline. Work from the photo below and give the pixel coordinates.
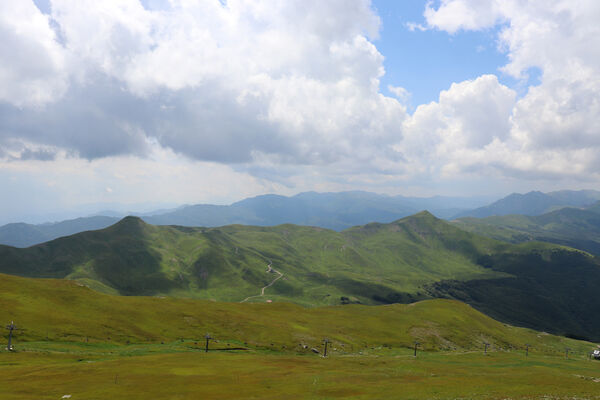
(229, 375)
(63, 311)
(90, 345)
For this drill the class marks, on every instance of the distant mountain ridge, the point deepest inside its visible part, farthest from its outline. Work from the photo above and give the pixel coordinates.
(534, 203)
(335, 211)
(327, 210)
(25, 235)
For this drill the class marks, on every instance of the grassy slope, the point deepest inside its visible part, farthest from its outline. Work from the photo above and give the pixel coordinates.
(387, 261)
(65, 311)
(573, 227)
(538, 285)
(370, 355)
(552, 289)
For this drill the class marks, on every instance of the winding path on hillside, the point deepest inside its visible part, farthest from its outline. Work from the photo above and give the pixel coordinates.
(262, 291)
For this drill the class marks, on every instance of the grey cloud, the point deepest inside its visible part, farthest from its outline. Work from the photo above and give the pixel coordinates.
(279, 174)
(206, 123)
(40, 155)
(142, 77)
(103, 120)
(92, 121)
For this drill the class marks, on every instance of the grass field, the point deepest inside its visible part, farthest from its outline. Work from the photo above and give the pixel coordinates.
(55, 310)
(178, 371)
(90, 345)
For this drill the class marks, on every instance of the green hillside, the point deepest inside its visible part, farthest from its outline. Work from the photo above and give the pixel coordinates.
(538, 285)
(76, 342)
(64, 311)
(372, 264)
(574, 227)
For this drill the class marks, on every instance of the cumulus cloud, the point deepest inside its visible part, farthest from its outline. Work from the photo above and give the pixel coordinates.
(289, 90)
(32, 63)
(454, 15)
(468, 117)
(235, 82)
(554, 129)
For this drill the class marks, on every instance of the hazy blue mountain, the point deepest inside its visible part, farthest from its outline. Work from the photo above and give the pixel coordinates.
(25, 235)
(335, 211)
(534, 203)
(20, 234)
(576, 198)
(595, 207)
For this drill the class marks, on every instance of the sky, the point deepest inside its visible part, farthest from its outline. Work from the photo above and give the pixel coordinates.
(152, 103)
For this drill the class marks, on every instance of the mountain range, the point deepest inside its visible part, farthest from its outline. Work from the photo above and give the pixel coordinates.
(574, 227)
(335, 211)
(327, 210)
(538, 285)
(534, 203)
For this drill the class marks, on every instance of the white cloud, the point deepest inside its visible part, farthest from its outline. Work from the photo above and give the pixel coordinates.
(554, 128)
(401, 93)
(284, 96)
(413, 26)
(468, 117)
(31, 61)
(218, 81)
(454, 15)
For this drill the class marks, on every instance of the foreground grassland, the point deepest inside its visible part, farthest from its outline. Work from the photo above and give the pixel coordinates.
(78, 342)
(180, 372)
(54, 310)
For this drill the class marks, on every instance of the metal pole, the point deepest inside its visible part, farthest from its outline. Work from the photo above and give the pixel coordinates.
(10, 328)
(207, 339)
(416, 344)
(485, 348)
(325, 351)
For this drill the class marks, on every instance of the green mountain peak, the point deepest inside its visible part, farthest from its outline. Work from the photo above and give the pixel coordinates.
(130, 224)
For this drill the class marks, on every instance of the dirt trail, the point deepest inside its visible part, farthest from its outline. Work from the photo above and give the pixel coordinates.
(262, 291)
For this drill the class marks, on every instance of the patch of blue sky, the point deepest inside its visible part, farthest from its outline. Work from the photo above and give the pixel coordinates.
(425, 62)
(43, 5)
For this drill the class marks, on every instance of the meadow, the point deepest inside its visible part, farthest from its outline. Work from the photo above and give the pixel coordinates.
(182, 370)
(89, 345)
